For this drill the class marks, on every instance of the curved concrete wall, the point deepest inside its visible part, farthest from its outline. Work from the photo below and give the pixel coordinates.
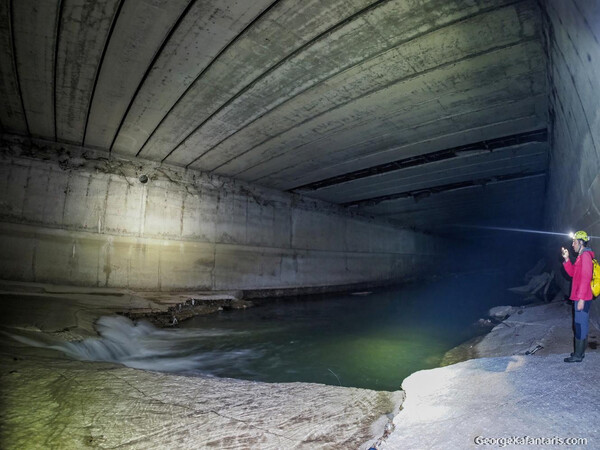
(80, 217)
(572, 29)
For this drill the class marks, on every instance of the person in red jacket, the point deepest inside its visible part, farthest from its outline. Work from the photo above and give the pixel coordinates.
(581, 291)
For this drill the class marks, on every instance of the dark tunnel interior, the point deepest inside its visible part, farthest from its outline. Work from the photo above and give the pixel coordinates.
(371, 175)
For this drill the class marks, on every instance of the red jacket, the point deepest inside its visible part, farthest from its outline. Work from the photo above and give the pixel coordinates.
(581, 272)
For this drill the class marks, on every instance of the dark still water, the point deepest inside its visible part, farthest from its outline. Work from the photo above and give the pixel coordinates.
(371, 341)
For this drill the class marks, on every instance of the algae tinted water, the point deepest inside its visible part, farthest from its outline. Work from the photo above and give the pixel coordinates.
(371, 341)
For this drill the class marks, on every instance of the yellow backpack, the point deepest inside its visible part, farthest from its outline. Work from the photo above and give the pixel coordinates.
(595, 278)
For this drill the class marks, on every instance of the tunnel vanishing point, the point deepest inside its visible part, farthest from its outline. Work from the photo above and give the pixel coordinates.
(274, 145)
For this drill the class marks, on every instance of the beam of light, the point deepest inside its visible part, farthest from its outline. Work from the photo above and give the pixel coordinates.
(518, 230)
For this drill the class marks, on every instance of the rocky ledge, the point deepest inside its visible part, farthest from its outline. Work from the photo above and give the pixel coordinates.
(194, 305)
(518, 393)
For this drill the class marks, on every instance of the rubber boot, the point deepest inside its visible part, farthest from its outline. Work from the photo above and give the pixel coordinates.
(584, 347)
(579, 353)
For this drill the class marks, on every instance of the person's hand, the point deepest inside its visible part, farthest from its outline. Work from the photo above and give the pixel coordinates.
(565, 253)
(580, 305)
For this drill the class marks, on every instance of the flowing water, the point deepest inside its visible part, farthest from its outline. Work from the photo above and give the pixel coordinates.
(370, 340)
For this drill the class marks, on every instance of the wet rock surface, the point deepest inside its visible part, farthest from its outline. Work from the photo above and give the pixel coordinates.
(518, 388)
(51, 401)
(458, 406)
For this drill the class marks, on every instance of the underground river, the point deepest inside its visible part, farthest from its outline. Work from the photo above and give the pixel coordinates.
(364, 339)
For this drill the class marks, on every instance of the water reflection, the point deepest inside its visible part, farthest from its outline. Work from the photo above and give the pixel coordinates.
(372, 341)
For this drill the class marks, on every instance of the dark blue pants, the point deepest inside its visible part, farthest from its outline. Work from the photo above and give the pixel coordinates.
(582, 319)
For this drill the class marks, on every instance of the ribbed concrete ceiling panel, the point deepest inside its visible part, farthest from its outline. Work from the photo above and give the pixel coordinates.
(12, 115)
(34, 33)
(289, 94)
(429, 144)
(275, 36)
(84, 30)
(350, 45)
(461, 197)
(129, 54)
(204, 32)
(401, 75)
(501, 203)
(524, 159)
(289, 170)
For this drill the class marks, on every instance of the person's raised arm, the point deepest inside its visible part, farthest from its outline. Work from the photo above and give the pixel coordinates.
(567, 262)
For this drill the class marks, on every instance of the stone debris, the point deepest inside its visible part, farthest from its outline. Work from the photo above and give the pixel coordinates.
(187, 309)
(502, 312)
(485, 323)
(540, 284)
(389, 428)
(536, 284)
(534, 349)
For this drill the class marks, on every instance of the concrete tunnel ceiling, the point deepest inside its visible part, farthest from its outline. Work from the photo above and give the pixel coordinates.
(423, 112)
